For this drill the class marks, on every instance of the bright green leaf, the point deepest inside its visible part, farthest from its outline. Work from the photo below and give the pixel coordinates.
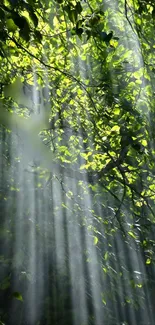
(132, 234)
(148, 261)
(95, 240)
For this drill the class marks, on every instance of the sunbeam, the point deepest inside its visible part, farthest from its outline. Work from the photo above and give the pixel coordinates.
(77, 186)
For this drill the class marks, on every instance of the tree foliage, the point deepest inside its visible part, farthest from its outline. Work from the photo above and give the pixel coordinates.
(77, 96)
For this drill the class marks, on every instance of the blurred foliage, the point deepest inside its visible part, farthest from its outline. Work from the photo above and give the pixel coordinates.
(91, 65)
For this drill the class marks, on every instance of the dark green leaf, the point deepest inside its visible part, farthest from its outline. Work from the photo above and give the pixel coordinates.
(103, 35)
(31, 2)
(100, 12)
(137, 147)
(25, 34)
(79, 23)
(67, 8)
(79, 32)
(21, 22)
(72, 15)
(34, 18)
(3, 36)
(88, 32)
(109, 37)
(38, 35)
(140, 9)
(94, 20)
(17, 295)
(5, 284)
(14, 3)
(78, 7)
(153, 13)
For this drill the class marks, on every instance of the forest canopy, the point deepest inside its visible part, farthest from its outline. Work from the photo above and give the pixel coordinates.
(77, 186)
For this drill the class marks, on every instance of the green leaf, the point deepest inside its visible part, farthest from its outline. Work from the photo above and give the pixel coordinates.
(78, 7)
(103, 298)
(140, 285)
(148, 261)
(95, 240)
(23, 24)
(17, 295)
(153, 13)
(73, 31)
(106, 255)
(79, 23)
(11, 25)
(103, 35)
(34, 18)
(5, 284)
(25, 34)
(67, 8)
(3, 36)
(20, 21)
(88, 32)
(144, 143)
(115, 128)
(104, 301)
(132, 234)
(79, 32)
(38, 35)
(109, 37)
(94, 20)
(72, 15)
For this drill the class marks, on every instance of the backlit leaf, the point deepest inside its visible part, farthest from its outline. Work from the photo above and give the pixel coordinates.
(148, 261)
(132, 234)
(95, 240)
